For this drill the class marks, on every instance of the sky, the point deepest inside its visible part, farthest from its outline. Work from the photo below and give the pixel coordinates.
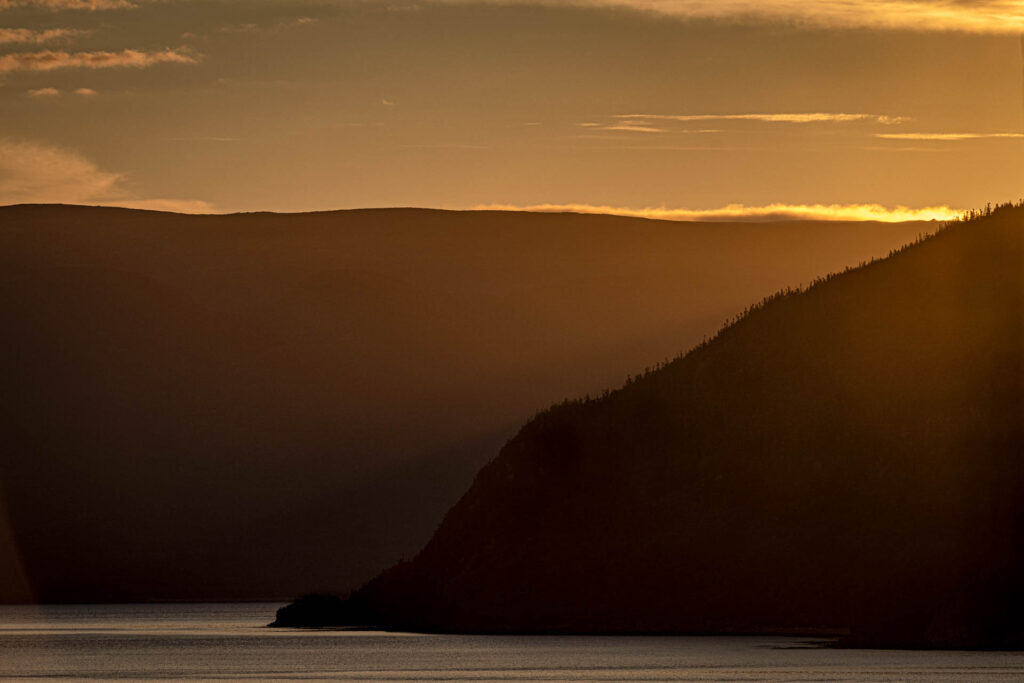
(685, 109)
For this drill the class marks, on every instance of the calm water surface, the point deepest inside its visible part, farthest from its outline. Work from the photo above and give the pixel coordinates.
(228, 642)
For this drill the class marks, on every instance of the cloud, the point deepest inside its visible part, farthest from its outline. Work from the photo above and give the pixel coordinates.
(740, 212)
(447, 145)
(971, 16)
(252, 27)
(27, 35)
(902, 148)
(946, 137)
(48, 60)
(205, 138)
(32, 173)
(655, 123)
(626, 127)
(175, 205)
(816, 117)
(240, 28)
(37, 173)
(633, 128)
(54, 92)
(662, 148)
(630, 125)
(90, 5)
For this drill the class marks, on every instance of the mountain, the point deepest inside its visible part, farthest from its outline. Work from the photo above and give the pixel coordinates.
(248, 406)
(844, 456)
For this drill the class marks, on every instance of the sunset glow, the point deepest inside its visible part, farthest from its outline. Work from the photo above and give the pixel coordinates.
(816, 108)
(739, 212)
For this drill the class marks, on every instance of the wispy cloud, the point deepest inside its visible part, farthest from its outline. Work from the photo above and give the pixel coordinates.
(36, 173)
(946, 137)
(625, 127)
(444, 145)
(618, 147)
(633, 128)
(174, 205)
(257, 28)
(205, 138)
(741, 212)
(48, 60)
(240, 28)
(972, 16)
(640, 124)
(677, 123)
(814, 117)
(29, 36)
(39, 173)
(90, 5)
(905, 148)
(54, 92)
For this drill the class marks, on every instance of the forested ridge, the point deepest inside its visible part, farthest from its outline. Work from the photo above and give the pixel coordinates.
(842, 456)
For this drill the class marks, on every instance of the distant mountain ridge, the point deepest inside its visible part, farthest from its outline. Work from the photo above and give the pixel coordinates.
(846, 456)
(247, 406)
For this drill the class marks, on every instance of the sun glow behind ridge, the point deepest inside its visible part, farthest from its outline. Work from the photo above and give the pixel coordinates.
(741, 212)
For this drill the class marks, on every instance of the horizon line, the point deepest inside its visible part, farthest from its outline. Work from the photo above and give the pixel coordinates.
(731, 213)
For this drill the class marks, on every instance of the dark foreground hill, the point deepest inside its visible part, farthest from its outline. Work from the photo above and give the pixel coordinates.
(248, 406)
(845, 456)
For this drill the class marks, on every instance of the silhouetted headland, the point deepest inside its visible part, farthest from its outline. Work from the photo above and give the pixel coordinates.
(315, 610)
(848, 455)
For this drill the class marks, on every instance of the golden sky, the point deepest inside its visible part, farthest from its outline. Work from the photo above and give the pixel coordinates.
(681, 109)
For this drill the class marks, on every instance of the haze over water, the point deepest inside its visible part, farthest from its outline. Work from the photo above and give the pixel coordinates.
(229, 642)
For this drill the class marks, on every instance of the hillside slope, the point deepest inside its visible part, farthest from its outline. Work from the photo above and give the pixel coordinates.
(845, 456)
(247, 406)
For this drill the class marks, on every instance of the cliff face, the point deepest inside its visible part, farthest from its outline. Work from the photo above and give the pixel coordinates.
(849, 455)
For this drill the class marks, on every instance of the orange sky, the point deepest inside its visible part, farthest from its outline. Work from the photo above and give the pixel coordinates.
(672, 108)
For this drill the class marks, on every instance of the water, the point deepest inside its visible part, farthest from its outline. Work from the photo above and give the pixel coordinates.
(228, 642)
